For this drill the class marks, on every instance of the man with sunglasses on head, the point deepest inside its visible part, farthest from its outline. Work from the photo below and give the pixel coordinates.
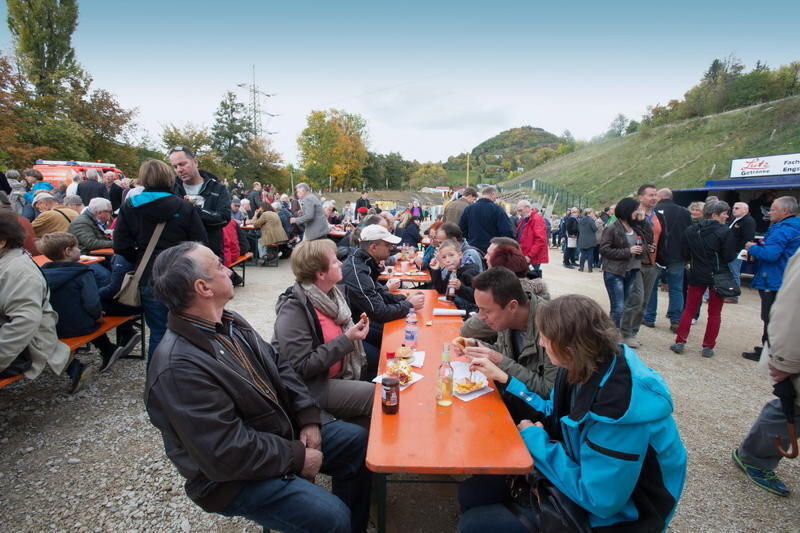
(209, 196)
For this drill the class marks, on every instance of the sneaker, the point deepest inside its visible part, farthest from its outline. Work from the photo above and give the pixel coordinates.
(649, 324)
(121, 351)
(755, 355)
(673, 326)
(707, 352)
(80, 374)
(677, 347)
(766, 479)
(631, 342)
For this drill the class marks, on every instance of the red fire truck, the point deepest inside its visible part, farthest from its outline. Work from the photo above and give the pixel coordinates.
(61, 172)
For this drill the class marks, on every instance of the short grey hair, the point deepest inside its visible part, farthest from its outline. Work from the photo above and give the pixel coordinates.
(98, 204)
(73, 199)
(277, 206)
(12, 174)
(302, 185)
(524, 203)
(91, 174)
(716, 207)
(789, 203)
(486, 191)
(174, 274)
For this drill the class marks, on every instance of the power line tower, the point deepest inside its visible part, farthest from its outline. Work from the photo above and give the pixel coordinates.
(255, 109)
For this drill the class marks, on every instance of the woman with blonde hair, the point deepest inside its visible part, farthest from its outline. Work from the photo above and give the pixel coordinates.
(138, 218)
(314, 330)
(608, 443)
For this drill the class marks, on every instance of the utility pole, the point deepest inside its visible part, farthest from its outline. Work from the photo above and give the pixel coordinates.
(468, 154)
(255, 106)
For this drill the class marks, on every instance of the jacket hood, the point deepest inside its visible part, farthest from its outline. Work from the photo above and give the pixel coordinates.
(626, 376)
(59, 273)
(155, 204)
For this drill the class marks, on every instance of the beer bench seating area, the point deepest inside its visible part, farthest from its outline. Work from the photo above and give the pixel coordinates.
(273, 255)
(241, 262)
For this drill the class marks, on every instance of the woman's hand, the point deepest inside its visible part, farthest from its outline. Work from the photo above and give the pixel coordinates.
(488, 369)
(636, 250)
(357, 331)
(524, 424)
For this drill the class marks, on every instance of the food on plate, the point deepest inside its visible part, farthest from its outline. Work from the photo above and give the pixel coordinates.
(461, 341)
(400, 370)
(468, 385)
(404, 352)
(429, 323)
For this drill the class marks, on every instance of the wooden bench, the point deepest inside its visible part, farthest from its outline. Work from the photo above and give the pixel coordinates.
(9, 381)
(107, 323)
(241, 262)
(273, 254)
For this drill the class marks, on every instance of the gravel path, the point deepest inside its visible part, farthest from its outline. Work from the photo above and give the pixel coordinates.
(93, 462)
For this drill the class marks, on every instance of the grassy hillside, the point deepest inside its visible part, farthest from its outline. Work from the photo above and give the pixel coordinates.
(679, 155)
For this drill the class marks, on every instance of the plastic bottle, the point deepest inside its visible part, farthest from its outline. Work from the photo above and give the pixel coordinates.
(412, 330)
(444, 380)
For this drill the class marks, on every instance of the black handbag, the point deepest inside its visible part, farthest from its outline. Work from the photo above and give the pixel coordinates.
(556, 512)
(724, 284)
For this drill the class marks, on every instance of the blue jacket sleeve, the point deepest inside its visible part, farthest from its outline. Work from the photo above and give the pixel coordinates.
(772, 248)
(516, 388)
(611, 459)
(90, 296)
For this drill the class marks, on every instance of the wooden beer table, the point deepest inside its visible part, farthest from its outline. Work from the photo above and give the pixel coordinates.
(408, 272)
(103, 251)
(85, 259)
(475, 437)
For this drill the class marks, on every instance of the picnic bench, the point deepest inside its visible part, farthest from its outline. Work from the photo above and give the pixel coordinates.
(475, 437)
(107, 323)
(9, 381)
(85, 259)
(406, 271)
(241, 262)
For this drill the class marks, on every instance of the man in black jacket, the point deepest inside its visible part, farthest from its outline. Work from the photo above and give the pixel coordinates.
(91, 187)
(236, 420)
(743, 228)
(210, 197)
(484, 219)
(677, 219)
(360, 273)
(363, 201)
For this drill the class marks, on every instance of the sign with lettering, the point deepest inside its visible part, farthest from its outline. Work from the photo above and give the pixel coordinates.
(772, 165)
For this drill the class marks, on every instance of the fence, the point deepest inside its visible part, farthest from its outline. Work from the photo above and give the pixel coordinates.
(554, 194)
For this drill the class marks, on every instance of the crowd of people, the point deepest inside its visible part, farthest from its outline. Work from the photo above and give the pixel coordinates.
(250, 422)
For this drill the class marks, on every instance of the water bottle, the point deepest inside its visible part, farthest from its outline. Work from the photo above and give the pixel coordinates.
(411, 330)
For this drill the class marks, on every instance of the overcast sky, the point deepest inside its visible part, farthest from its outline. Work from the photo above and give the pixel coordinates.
(432, 79)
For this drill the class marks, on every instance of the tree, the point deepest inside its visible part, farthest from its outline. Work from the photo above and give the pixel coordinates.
(428, 175)
(42, 32)
(262, 163)
(633, 127)
(333, 145)
(232, 130)
(103, 118)
(617, 126)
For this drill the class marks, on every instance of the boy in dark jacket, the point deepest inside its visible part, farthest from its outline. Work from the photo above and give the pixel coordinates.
(458, 275)
(75, 297)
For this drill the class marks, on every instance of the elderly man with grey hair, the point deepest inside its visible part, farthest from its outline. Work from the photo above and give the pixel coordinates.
(72, 188)
(743, 228)
(771, 256)
(74, 202)
(90, 226)
(313, 216)
(236, 420)
(91, 187)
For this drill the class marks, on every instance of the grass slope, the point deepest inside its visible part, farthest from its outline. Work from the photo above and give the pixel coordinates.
(680, 155)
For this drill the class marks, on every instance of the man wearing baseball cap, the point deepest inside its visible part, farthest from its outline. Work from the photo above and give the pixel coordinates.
(360, 273)
(52, 217)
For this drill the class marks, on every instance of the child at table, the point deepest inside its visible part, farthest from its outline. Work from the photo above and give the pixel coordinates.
(75, 297)
(447, 268)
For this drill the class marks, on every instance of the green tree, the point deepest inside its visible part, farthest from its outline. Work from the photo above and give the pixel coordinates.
(428, 175)
(232, 131)
(42, 33)
(617, 126)
(262, 163)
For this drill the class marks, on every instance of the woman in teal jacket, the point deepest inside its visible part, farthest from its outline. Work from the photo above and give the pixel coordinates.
(608, 442)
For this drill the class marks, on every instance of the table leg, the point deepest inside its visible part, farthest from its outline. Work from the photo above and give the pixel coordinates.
(381, 478)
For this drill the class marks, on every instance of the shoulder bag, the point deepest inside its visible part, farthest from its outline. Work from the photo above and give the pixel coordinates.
(724, 284)
(129, 290)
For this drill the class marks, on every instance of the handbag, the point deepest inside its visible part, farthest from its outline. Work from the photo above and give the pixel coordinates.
(572, 242)
(556, 513)
(129, 289)
(724, 284)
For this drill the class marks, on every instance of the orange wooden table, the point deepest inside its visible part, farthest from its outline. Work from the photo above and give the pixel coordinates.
(103, 251)
(85, 259)
(404, 273)
(476, 437)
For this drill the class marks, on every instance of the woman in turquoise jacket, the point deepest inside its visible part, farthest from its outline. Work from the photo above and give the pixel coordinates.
(608, 441)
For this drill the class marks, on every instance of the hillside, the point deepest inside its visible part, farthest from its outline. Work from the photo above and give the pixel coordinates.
(679, 155)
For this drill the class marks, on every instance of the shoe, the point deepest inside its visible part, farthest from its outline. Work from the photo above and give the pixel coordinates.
(677, 347)
(731, 300)
(569, 266)
(580, 270)
(707, 352)
(590, 271)
(80, 374)
(121, 351)
(755, 355)
(650, 324)
(673, 326)
(631, 342)
(766, 479)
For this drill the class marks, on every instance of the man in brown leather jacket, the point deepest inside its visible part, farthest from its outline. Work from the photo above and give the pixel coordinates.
(236, 420)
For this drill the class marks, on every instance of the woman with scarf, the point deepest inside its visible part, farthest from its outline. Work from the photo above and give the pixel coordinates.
(315, 332)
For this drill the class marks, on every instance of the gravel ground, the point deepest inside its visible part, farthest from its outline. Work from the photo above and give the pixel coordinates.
(93, 462)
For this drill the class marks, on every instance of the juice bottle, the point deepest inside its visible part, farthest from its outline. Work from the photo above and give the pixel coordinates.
(444, 383)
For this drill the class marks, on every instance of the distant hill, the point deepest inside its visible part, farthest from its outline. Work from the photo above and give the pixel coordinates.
(679, 155)
(496, 158)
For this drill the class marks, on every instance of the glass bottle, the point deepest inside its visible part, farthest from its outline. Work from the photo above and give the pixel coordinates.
(444, 381)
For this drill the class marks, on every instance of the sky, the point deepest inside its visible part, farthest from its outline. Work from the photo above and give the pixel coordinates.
(432, 79)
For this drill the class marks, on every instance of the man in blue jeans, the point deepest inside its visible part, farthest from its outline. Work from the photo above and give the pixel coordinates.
(677, 219)
(236, 420)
